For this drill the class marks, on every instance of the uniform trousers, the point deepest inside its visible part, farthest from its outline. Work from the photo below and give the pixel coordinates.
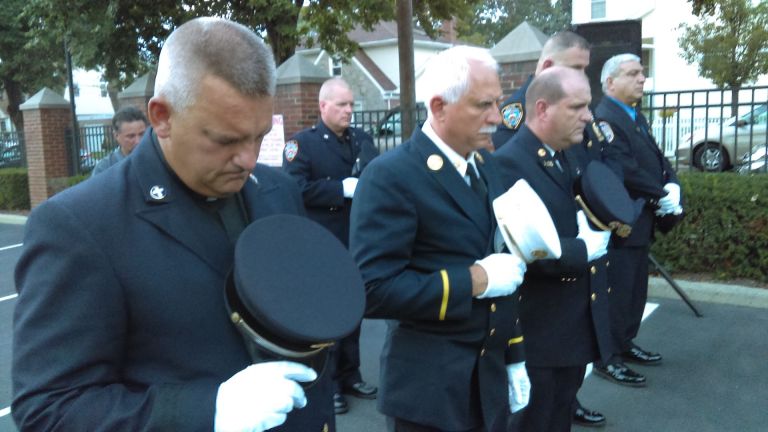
(628, 279)
(346, 358)
(553, 392)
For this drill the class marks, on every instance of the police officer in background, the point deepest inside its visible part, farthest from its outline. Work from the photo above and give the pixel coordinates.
(570, 50)
(326, 161)
(648, 175)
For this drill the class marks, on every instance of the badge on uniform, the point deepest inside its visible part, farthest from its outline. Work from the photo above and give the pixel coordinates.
(291, 150)
(512, 115)
(607, 131)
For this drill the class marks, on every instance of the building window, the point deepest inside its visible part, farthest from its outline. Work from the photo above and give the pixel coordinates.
(336, 66)
(647, 61)
(598, 9)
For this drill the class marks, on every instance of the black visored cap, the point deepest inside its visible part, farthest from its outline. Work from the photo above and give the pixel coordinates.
(294, 288)
(605, 201)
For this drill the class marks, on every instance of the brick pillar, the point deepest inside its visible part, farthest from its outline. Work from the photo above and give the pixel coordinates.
(514, 74)
(138, 93)
(298, 84)
(47, 116)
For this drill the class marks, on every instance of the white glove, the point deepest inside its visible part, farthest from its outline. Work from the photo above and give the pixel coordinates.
(670, 203)
(519, 386)
(260, 396)
(505, 273)
(349, 185)
(596, 241)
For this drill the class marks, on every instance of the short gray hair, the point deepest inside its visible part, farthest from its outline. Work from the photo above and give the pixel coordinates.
(329, 87)
(612, 67)
(218, 47)
(447, 73)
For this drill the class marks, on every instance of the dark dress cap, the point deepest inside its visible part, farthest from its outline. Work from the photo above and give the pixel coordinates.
(294, 290)
(605, 201)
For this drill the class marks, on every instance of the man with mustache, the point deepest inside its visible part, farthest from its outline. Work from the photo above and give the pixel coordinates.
(423, 234)
(326, 161)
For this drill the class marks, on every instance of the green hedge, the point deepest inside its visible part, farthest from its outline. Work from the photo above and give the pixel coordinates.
(725, 231)
(14, 189)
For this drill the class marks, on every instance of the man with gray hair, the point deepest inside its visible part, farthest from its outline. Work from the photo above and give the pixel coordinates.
(121, 322)
(422, 233)
(647, 175)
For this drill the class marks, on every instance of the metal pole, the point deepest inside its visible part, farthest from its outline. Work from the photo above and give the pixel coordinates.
(407, 79)
(675, 286)
(75, 147)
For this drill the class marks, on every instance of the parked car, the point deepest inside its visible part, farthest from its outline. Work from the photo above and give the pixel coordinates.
(755, 162)
(388, 131)
(715, 148)
(10, 156)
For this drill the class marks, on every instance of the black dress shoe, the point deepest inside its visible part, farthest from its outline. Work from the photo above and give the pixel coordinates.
(361, 390)
(586, 417)
(620, 374)
(340, 405)
(641, 356)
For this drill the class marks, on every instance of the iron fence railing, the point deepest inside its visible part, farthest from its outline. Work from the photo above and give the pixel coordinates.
(96, 141)
(12, 150)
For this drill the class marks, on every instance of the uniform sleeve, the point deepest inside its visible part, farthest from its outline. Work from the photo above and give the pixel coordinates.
(315, 191)
(384, 225)
(70, 327)
(619, 153)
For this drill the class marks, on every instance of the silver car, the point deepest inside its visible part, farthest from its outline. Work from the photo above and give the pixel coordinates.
(717, 148)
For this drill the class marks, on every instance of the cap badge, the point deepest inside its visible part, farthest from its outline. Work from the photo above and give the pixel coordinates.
(157, 192)
(434, 162)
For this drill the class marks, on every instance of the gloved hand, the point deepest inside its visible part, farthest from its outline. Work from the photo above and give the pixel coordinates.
(505, 273)
(596, 241)
(670, 203)
(260, 396)
(349, 185)
(519, 386)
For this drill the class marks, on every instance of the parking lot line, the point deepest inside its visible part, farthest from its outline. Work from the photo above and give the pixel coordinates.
(11, 247)
(10, 297)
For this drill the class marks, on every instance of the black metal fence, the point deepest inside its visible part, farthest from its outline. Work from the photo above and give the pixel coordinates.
(12, 151)
(385, 126)
(95, 142)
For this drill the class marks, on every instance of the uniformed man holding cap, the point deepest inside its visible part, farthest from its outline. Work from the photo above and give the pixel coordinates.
(563, 302)
(423, 234)
(326, 161)
(121, 321)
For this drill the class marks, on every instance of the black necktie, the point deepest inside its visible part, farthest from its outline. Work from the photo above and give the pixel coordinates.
(562, 164)
(476, 183)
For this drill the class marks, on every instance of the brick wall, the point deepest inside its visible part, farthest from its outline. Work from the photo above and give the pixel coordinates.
(47, 155)
(513, 75)
(298, 105)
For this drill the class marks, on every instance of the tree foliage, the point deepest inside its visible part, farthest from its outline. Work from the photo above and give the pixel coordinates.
(730, 47)
(494, 19)
(27, 63)
(703, 7)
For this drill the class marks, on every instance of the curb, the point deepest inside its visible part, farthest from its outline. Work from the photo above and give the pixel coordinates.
(12, 219)
(722, 293)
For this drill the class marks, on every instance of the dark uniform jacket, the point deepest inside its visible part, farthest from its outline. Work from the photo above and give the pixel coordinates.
(644, 168)
(321, 161)
(121, 322)
(416, 229)
(564, 302)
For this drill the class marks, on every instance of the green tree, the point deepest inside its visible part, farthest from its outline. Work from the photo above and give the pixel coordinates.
(27, 63)
(731, 46)
(123, 37)
(494, 19)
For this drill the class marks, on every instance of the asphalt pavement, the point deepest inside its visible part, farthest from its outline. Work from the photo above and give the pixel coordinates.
(713, 378)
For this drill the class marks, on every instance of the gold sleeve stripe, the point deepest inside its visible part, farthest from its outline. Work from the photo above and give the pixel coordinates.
(446, 292)
(516, 340)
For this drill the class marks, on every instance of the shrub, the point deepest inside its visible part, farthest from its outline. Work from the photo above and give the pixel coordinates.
(14, 189)
(725, 231)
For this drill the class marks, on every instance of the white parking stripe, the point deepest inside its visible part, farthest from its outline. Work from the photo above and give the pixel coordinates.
(10, 297)
(649, 308)
(5, 411)
(11, 247)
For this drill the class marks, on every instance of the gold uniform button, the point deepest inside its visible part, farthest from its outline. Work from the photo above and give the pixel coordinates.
(594, 296)
(493, 307)
(593, 270)
(493, 331)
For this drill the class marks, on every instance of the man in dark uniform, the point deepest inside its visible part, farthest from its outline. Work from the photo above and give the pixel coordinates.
(423, 235)
(570, 50)
(121, 321)
(564, 302)
(326, 161)
(648, 175)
